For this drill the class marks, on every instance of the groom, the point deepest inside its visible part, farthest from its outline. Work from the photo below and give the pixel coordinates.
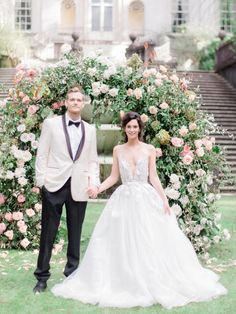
(66, 169)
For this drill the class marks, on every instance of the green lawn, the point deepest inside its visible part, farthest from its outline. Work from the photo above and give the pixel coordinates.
(17, 281)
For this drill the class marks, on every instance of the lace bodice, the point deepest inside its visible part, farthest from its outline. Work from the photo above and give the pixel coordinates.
(140, 173)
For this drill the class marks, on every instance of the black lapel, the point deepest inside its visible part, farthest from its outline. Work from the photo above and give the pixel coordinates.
(67, 136)
(81, 144)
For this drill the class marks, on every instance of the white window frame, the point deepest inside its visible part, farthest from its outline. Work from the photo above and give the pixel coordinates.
(22, 25)
(102, 4)
(176, 21)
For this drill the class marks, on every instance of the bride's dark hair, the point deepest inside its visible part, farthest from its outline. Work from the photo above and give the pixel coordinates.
(132, 116)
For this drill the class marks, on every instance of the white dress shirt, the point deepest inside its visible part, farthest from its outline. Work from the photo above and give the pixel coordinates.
(75, 134)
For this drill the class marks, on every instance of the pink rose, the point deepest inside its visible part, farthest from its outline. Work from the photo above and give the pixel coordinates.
(9, 234)
(2, 227)
(23, 229)
(200, 152)
(35, 189)
(24, 243)
(198, 143)
(38, 207)
(152, 109)
(144, 117)
(177, 142)
(33, 109)
(187, 159)
(186, 150)
(30, 212)
(138, 93)
(164, 105)
(20, 67)
(17, 215)
(158, 152)
(208, 145)
(21, 95)
(56, 105)
(183, 131)
(129, 92)
(8, 216)
(20, 223)
(21, 198)
(122, 114)
(31, 72)
(192, 126)
(26, 100)
(2, 199)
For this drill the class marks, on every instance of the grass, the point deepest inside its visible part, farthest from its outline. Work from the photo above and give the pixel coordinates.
(17, 281)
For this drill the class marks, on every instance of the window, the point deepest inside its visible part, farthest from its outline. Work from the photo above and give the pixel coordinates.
(228, 15)
(180, 14)
(23, 13)
(102, 11)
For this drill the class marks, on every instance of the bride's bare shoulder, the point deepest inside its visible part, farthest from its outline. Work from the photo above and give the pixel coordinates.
(118, 148)
(149, 147)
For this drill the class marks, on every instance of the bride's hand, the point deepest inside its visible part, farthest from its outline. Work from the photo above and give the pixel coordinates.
(167, 208)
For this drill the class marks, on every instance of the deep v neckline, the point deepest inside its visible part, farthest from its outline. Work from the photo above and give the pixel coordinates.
(133, 170)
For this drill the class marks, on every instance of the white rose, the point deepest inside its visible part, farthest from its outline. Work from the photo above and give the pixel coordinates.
(113, 92)
(34, 144)
(9, 175)
(176, 209)
(96, 85)
(174, 178)
(19, 172)
(21, 128)
(22, 181)
(171, 193)
(184, 200)
(31, 137)
(24, 137)
(104, 88)
(91, 71)
(27, 156)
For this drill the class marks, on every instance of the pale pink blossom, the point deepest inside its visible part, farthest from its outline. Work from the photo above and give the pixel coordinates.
(38, 207)
(138, 93)
(23, 229)
(158, 152)
(208, 145)
(30, 212)
(8, 217)
(33, 109)
(187, 159)
(213, 140)
(192, 126)
(24, 243)
(2, 199)
(113, 92)
(104, 88)
(35, 189)
(186, 150)
(17, 215)
(21, 198)
(153, 109)
(31, 72)
(20, 223)
(3, 227)
(34, 144)
(129, 92)
(200, 152)
(198, 143)
(183, 131)
(26, 99)
(200, 172)
(177, 142)
(144, 117)
(31, 136)
(24, 137)
(20, 67)
(21, 128)
(9, 234)
(21, 95)
(164, 105)
(158, 82)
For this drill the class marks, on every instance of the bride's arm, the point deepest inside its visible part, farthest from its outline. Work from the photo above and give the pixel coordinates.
(114, 175)
(155, 181)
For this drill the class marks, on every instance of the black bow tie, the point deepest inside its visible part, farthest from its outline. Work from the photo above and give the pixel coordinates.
(75, 123)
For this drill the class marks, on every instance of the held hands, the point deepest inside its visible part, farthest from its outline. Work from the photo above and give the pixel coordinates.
(92, 191)
(167, 207)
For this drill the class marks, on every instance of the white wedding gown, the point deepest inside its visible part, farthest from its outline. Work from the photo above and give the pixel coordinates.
(137, 255)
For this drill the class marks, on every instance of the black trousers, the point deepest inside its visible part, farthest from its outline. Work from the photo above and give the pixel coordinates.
(52, 204)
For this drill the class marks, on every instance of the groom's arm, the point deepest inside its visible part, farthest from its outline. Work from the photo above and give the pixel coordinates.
(42, 153)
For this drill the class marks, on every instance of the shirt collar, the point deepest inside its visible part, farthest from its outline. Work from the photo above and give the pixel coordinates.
(68, 119)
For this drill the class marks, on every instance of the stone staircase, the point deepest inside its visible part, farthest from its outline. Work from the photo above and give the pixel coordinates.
(218, 98)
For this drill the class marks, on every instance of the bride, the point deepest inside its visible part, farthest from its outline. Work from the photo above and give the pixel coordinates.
(137, 255)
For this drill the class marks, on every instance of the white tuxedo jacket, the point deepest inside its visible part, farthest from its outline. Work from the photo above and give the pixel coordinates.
(54, 160)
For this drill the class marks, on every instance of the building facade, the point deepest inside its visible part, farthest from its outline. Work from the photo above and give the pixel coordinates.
(108, 23)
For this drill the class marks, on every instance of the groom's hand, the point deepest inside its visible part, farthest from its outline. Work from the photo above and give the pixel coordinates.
(92, 191)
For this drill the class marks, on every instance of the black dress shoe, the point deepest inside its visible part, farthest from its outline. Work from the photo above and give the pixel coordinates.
(40, 287)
